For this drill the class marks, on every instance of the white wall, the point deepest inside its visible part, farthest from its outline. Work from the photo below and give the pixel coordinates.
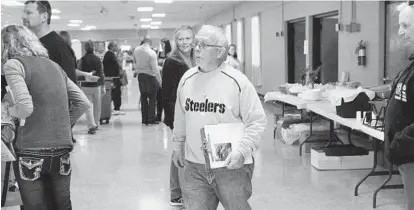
(369, 14)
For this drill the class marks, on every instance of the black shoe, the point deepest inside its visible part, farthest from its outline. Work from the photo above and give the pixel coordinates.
(176, 202)
(92, 130)
(154, 122)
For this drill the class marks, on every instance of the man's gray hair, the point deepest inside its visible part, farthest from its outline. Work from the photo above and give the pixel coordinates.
(215, 35)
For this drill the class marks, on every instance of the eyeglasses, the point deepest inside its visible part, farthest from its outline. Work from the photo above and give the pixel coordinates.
(202, 45)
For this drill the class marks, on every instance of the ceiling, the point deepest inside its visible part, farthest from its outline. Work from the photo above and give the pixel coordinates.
(122, 14)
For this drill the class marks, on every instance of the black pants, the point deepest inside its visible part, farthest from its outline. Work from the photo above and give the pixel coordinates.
(44, 180)
(148, 86)
(116, 94)
(159, 104)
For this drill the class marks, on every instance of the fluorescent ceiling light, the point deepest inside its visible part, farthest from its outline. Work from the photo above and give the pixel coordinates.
(145, 19)
(11, 3)
(90, 27)
(156, 23)
(155, 27)
(145, 26)
(163, 1)
(75, 21)
(145, 9)
(73, 25)
(55, 17)
(56, 11)
(158, 15)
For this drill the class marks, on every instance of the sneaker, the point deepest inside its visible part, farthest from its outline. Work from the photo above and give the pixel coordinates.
(176, 202)
(92, 130)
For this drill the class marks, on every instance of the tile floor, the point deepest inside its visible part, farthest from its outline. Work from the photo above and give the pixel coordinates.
(125, 166)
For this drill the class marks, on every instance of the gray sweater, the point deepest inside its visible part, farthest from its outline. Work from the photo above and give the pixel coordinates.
(41, 91)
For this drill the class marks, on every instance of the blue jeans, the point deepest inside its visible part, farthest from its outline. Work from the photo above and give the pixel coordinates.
(204, 190)
(175, 189)
(44, 179)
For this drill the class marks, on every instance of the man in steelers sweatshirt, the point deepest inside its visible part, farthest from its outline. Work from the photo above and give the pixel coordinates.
(399, 115)
(212, 93)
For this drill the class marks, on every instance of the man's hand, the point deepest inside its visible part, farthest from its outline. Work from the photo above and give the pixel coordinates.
(91, 78)
(103, 91)
(178, 158)
(235, 160)
(13, 111)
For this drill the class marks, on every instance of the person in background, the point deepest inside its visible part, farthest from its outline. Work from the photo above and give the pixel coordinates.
(164, 52)
(66, 36)
(149, 79)
(41, 91)
(215, 83)
(181, 59)
(37, 17)
(399, 115)
(232, 58)
(113, 69)
(93, 90)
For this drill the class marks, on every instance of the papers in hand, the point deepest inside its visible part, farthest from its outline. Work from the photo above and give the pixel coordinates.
(221, 140)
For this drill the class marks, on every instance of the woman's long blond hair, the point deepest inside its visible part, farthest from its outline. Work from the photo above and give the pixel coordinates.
(176, 53)
(17, 41)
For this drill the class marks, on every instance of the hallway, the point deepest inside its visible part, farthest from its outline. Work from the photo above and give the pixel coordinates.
(125, 166)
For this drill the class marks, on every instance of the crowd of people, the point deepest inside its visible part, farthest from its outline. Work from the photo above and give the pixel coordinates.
(42, 72)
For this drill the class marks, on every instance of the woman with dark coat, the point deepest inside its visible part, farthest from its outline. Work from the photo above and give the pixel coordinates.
(180, 60)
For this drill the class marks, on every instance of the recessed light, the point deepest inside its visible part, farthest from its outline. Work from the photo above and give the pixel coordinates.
(145, 26)
(56, 11)
(158, 15)
(75, 21)
(155, 27)
(11, 3)
(90, 27)
(163, 1)
(156, 23)
(145, 19)
(73, 25)
(55, 17)
(145, 9)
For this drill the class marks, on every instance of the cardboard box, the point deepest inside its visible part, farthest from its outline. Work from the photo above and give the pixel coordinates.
(322, 162)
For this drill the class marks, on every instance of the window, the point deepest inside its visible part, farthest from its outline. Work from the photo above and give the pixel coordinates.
(240, 39)
(228, 32)
(256, 68)
(396, 55)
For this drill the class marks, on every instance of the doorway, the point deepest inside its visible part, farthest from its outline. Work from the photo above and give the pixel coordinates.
(325, 46)
(296, 58)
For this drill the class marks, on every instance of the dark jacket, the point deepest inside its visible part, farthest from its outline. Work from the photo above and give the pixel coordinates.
(111, 65)
(91, 63)
(61, 53)
(172, 72)
(399, 119)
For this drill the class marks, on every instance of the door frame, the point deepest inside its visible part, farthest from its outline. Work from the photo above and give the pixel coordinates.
(316, 45)
(289, 45)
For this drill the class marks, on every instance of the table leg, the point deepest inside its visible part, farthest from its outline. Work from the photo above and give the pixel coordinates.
(373, 167)
(309, 137)
(5, 184)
